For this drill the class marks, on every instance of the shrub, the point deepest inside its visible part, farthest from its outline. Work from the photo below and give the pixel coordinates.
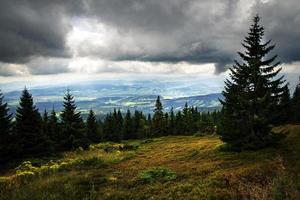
(128, 147)
(159, 173)
(94, 162)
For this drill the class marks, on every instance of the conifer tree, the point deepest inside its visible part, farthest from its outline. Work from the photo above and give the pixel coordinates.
(285, 109)
(92, 131)
(118, 123)
(149, 127)
(172, 122)
(109, 128)
(72, 124)
(30, 137)
(158, 118)
(296, 104)
(54, 130)
(128, 126)
(45, 124)
(251, 95)
(186, 119)
(7, 142)
(166, 124)
(138, 124)
(179, 124)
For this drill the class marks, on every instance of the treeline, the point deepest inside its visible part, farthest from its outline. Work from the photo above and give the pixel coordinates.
(30, 134)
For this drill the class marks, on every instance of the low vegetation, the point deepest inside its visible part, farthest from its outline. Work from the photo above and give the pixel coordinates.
(173, 167)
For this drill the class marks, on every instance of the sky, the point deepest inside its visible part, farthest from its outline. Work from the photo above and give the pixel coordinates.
(55, 42)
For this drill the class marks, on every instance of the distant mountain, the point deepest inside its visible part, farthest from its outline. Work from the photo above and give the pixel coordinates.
(103, 97)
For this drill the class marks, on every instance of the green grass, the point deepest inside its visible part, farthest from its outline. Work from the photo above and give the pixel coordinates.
(182, 167)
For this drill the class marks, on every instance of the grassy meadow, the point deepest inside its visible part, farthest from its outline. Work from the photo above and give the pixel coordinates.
(174, 167)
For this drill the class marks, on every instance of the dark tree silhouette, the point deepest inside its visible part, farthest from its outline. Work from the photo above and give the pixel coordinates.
(31, 139)
(7, 140)
(252, 94)
(296, 104)
(158, 119)
(92, 129)
(72, 125)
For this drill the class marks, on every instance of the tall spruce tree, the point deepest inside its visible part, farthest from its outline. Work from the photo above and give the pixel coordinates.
(158, 118)
(72, 124)
(7, 142)
(31, 139)
(252, 94)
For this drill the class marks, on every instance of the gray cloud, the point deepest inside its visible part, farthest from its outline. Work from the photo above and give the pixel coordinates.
(35, 32)
(282, 23)
(43, 65)
(33, 28)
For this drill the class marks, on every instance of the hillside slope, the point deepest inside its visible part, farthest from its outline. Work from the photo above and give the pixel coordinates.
(183, 167)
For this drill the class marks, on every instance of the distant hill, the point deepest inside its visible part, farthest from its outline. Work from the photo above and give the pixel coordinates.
(104, 97)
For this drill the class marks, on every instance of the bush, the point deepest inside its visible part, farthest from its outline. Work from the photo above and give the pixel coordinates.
(159, 173)
(128, 147)
(94, 162)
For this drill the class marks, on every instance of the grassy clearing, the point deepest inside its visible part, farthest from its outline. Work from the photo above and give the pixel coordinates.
(183, 167)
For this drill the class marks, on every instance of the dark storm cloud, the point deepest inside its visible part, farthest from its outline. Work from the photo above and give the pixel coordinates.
(282, 23)
(168, 30)
(33, 28)
(199, 31)
(206, 31)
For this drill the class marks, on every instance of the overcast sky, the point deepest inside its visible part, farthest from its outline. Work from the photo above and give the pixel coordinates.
(59, 40)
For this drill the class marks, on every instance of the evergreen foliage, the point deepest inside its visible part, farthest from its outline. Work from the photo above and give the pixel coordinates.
(72, 125)
(7, 139)
(296, 104)
(29, 135)
(92, 128)
(158, 119)
(171, 127)
(285, 107)
(54, 130)
(128, 127)
(252, 95)
(33, 135)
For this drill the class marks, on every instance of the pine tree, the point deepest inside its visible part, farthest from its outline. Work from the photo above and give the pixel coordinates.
(7, 142)
(251, 95)
(158, 119)
(45, 124)
(149, 127)
(118, 123)
(186, 119)
(296, 104)
(109, 129)
(29, 134)
(92, 131)
(172, 122)
(139, 122)
(128, 127)
(285, 108)
(179, 123)
(72, 124)
(166, 124)
(54, 130)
